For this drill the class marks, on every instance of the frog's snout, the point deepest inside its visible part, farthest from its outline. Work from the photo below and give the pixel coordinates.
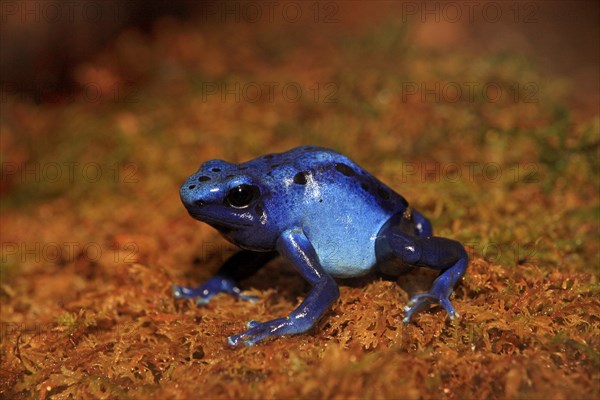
(190, 195)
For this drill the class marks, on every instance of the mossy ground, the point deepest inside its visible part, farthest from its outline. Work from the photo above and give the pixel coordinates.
(89, 256)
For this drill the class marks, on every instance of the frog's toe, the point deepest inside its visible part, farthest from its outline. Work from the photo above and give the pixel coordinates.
(202, 301)
(251, 324)
(420, 301)
(177, 293)
(416, 304)
(234, 340)
(205, 292)
(205, 298)
(243, 338)
(247, 297)
(181, 292)
(261, 330)
(449, 308)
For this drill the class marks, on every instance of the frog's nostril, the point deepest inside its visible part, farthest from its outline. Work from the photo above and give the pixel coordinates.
(191, 187)
(199, 203)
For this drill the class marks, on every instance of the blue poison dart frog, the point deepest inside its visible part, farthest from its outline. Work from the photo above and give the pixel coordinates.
(325, 215)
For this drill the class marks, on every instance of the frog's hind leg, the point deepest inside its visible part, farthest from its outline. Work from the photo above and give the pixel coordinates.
(446, 255)
(422, 224)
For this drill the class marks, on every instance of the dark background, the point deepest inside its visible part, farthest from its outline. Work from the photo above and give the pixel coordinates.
(41, 44)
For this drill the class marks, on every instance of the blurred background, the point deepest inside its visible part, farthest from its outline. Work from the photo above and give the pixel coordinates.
(44, 42)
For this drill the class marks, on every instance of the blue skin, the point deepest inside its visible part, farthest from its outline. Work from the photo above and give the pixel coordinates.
(324, 214)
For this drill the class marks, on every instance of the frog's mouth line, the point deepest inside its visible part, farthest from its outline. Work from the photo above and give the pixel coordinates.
(218, 223)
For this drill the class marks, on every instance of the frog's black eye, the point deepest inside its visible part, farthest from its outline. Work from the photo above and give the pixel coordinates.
(241, 196)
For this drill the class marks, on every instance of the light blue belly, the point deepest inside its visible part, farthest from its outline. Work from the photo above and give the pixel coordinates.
(345, 241)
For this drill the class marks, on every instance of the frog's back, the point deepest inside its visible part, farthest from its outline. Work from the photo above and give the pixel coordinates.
(328, 170)
(339, 206)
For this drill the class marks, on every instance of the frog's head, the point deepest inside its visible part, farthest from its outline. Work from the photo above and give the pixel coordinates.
(225, 197)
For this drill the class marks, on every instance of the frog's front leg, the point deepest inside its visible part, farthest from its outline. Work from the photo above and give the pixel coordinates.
(239, 266)
(294, 246)
(447, 255)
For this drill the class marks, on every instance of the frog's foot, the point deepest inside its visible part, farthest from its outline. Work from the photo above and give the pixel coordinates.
(262, 330)
(209, 289)
(422, 300)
